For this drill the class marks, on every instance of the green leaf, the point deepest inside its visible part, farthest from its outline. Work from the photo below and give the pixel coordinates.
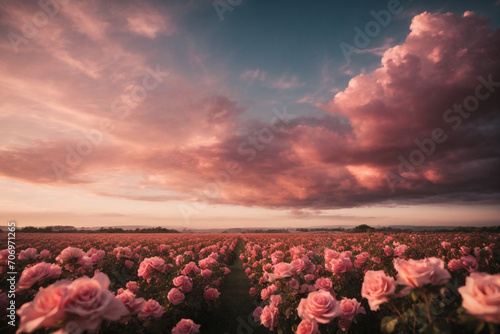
(389, 323)
(414, 295)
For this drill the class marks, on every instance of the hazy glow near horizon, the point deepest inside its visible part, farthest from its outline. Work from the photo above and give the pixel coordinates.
(114, 113)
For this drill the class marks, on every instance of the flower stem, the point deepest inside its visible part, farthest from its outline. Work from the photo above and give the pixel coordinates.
(428, 309)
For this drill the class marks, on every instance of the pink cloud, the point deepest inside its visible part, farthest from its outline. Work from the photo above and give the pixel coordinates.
(184, 134)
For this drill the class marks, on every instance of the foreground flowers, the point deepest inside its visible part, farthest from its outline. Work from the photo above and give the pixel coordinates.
(481, 296)
(186, 326)
(378, 288)
(418, 273)
(87, 301)
(320, 306)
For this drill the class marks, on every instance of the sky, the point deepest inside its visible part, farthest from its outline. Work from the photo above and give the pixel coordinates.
(249, 113)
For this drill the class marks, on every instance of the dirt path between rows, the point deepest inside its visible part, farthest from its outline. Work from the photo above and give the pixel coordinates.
(235, 313)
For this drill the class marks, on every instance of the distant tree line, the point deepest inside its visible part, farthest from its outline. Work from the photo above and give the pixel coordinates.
(72, 229)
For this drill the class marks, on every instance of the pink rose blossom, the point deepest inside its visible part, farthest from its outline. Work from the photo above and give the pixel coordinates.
(152, 310)
(134, 305)
(324, 283)
(481, 296)
(211, 294)
(184, 283)
(46, 310)
(283, 269)
(39, 273)
(417, 273)
(29, 254)
(132, 286)
(377, 288)
(186, 326)
(175, 296)
(269, 316)
(307, 326)
(319, 305)
(350, 308)
(469, 263)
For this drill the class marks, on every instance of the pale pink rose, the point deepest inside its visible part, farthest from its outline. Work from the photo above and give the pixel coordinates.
(324, 283)
(331, 254)
(277, 257)
(481, 296)
(400, 250)
(85, 264)
(152, 310)
(208, 262)
(269, 316)
(307, 326)
(283, 269)
(469, 263)
(184, 283)
(206, 273)
(90, 300)
(242, 257)
(70, 254)
(29, 254)
(46, 310)
(377, 288)
(454, 265)
(39, 273)
(132, 286)
(319, 305)
(122, 252)
(179, 260)
(227, 271)
(44, 254)
(350, 308)
(186, 326)
(264, 294)
(191, 267)
(149, 266)
(298, 266)
(361, 259)
(134, 305)
(256, 314)
(175, 296)
(388, 250)
(340, 265)
(418, 273)
(376, 259)
(211, 294)
(446, 245)
(276, 300)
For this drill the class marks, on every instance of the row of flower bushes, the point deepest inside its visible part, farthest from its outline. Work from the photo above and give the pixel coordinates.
(365, 283)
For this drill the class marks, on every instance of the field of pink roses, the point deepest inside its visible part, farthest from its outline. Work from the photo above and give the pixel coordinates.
(304, 283)
(76, 283)
(366, 283)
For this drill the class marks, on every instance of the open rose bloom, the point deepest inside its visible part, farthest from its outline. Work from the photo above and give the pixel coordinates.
(320, 306)
(481, 296)
(418, 273)
(378, 288)
(86, 301)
